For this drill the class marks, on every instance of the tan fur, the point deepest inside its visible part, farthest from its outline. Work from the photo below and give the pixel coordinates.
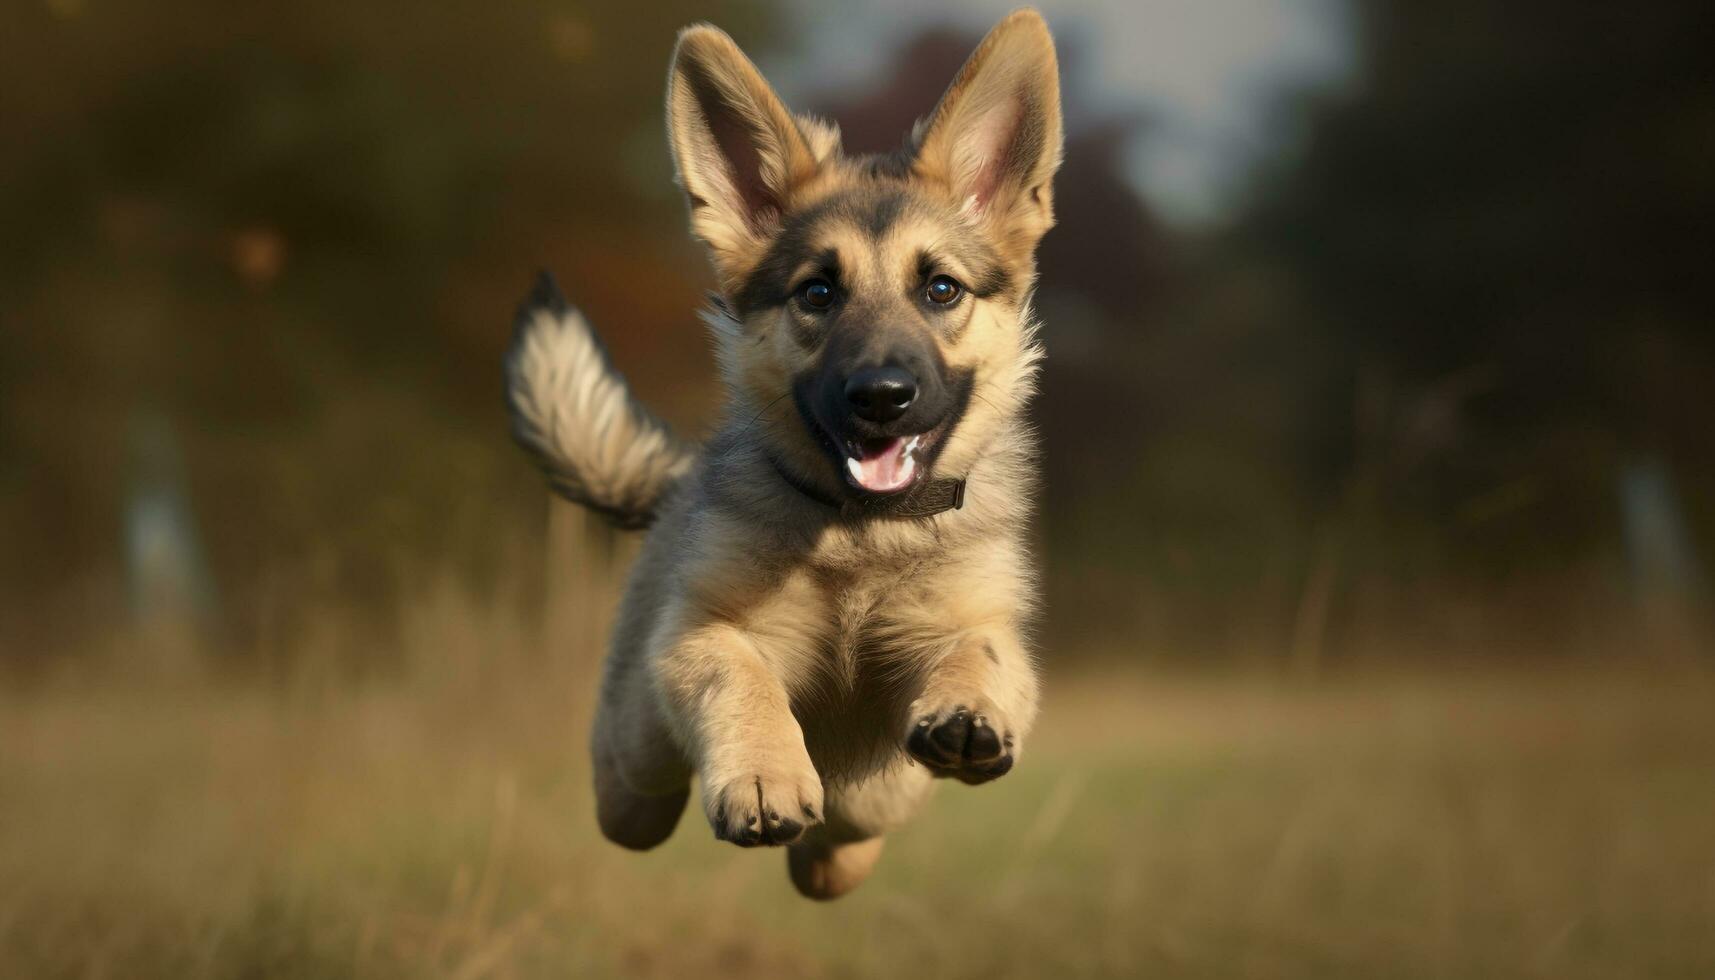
(792, 660)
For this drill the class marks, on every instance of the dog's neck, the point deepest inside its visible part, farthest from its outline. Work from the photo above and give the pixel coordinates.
(926, 499)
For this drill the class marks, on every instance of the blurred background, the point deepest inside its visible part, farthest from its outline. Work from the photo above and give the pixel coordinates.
(1377, 525)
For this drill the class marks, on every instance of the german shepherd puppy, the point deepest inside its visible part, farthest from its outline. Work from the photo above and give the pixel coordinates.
(830, 608)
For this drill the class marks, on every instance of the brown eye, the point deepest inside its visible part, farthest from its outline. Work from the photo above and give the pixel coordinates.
(817, 294)
(943, 290)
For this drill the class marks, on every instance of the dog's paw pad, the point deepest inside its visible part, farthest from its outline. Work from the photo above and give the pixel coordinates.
(961, 742)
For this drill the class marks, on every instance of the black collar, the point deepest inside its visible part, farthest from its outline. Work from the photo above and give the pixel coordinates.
(923, 500)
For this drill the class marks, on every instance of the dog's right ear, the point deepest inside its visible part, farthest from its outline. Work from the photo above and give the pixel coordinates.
(737, 150)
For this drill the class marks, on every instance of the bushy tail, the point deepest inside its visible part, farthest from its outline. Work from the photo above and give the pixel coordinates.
(572, 412)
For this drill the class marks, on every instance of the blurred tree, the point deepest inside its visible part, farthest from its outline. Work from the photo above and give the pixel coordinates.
(294, 234)
(1446, 374)
(1503, 229)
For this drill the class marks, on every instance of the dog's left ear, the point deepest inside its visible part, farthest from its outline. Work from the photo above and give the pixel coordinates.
(994, 140)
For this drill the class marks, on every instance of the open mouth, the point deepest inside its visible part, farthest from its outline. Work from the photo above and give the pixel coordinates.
(886, 465)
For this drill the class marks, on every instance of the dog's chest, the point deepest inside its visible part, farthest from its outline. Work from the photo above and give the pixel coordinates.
(851, 715)
(851, 608)
(874, 614)
(853, 701)
(869, 577)
(863, 608)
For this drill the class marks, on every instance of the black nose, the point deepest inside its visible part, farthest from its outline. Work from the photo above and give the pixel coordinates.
(881, 394)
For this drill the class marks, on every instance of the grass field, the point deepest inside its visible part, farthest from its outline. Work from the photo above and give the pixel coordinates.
(1482, 825)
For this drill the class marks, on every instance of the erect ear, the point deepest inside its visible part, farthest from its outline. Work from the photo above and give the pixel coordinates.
(994, 140)
(737, 151)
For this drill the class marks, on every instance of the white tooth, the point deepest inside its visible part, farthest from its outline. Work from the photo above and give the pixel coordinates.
(907, 471)
(855, 469)
(911, 446)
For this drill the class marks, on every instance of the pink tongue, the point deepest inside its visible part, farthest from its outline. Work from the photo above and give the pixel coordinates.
(888, 469)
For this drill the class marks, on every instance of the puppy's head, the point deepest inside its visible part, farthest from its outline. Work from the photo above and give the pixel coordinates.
(874, 314)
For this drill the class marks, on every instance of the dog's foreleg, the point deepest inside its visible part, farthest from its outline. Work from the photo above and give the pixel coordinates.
(758, 783)
(976, 705)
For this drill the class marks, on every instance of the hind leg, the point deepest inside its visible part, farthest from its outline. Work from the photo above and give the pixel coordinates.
(836, 857)
(824, 870)
(641, 778)
(630, 818)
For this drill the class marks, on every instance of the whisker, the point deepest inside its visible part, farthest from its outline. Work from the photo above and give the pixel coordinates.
(762, 412)
(978, 396)
(747, 426)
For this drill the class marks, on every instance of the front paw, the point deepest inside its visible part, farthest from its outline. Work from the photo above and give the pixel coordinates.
(752, 803)
(969, 741)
